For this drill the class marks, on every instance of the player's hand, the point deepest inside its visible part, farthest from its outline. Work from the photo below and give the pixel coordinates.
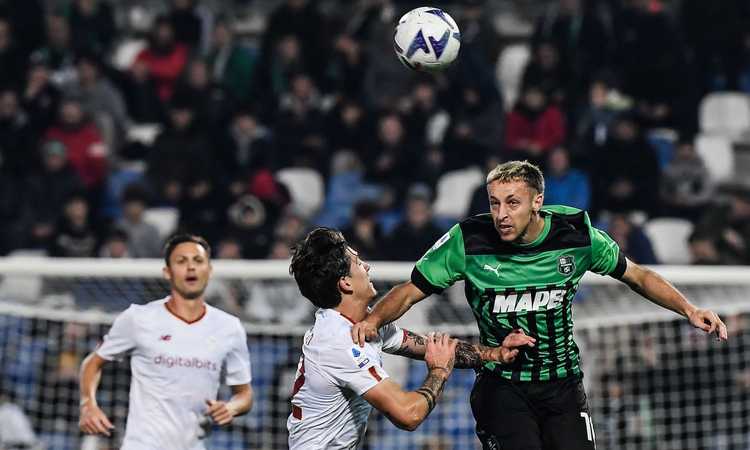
(219, 412)
(709, 322)
(363, 331)
(509, 350)
(92, 420)
(440, 352)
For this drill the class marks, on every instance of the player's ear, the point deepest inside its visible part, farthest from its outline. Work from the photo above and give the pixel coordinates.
(537, 202)
(167, 273)
(345, 285)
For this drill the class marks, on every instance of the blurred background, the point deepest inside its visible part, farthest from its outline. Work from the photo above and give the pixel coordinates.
(251, 121)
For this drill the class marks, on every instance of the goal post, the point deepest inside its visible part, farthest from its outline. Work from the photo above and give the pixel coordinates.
(652, 380)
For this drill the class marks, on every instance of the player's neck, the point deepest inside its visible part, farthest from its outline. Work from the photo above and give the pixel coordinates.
(187, 310)
(534, 229)
(352, 309)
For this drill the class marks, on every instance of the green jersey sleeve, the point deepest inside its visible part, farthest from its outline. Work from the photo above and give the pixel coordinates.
(443, 264)
(606, 257)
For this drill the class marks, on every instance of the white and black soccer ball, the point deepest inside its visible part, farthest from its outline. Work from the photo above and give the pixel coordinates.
(427, 39)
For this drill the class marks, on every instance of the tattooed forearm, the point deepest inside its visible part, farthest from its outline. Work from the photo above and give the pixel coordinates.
(467, 356)
(433, 386)
(413, 346)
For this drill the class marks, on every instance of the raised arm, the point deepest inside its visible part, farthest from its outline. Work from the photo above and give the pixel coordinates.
(655, 288)
(468, 356)
(408, 409)
(92, 419)
(392, 306)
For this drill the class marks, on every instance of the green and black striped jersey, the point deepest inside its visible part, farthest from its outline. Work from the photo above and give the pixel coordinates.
(528, 286)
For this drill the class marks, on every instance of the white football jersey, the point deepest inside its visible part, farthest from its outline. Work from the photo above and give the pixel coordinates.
(328, 411)
(176, 366)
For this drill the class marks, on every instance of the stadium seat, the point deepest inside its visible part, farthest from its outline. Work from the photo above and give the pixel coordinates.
(163, 218)
(143, 133)
(509, 71)
(454, 191)
(725, 113)
(306, 188)
(718, 155)
(126, 52)
(669, 238)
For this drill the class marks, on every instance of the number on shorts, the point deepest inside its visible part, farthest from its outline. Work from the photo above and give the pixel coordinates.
(590, 435)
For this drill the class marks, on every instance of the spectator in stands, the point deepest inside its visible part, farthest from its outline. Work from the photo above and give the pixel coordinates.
(534, 126)
(480, 44)
(686, 185)
(389, 158)
(186, 23)
(347, 66)
(631, 239)
(92, 23)
(212, 102)
(141, 92)
(246, 147)
(180, 154)
(231, 64)
(11, 209)
(595, 121)
(252, 221)
(16, 429)
(12, 59)
(142, 237)
(75, 235)
(726, 228)
(480, 108)
(300, 124)
(627, 172)
(115, 245)
(202, 206)
(44, 194)
(411, 238)
(744, 63)
(423, 115)
(164, 58)
(100, 98)
(365, 233)
(17, 157)
(480, 203)
(41, 98)
(346, 123)
(545, 71)
(85, 147)
(565, 185)
(58, 50)
(581, 38)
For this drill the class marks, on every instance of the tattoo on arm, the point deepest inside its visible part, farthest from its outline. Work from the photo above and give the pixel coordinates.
(413, 346)
(467, 356)
(432, 388)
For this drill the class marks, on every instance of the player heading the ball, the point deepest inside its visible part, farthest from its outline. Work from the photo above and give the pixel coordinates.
(337, 383)
(179, 349)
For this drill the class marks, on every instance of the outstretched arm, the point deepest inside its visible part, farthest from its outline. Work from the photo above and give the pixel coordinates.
(468, 355)
(655, 288)
(392, 306)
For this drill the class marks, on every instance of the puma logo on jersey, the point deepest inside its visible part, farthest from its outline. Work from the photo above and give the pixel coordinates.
(546, 300)
(492, 269)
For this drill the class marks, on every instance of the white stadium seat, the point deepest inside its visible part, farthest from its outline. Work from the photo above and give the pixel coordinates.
(454, 191)
(306, 189)
(725, 113)
(163, 218)
(718, 155)
(509, 71)
(669, 239)
(126, 52)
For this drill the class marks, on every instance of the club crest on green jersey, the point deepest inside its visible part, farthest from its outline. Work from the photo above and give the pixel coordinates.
(566, 264)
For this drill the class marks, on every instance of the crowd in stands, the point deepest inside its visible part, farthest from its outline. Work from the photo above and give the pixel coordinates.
(320, 88)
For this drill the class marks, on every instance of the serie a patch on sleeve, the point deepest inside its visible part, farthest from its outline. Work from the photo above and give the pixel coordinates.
(360, 359)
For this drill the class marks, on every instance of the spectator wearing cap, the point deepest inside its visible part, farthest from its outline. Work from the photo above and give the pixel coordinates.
(92, 23)
(45, 192)
(86, 149)
(534, 126)
(565, 185)
(164, 58)
(231, 64)
(142, 238)
(625, 171)
(411, 238)
(99, 97)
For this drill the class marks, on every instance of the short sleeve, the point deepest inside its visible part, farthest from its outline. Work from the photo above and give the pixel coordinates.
(392, 336)
(606, 258)
(237, 362)
(352, 367)
(120, 340)
(443, 264)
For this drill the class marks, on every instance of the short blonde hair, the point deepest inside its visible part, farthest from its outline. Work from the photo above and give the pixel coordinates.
(518, 171)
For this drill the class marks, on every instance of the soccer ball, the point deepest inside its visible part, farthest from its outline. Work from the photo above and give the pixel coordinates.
(427, 39)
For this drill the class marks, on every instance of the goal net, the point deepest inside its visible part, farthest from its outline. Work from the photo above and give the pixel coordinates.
(653, 382)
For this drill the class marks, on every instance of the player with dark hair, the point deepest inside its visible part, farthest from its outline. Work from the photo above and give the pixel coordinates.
(180, 349)
(337, 383)
(522, 264)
